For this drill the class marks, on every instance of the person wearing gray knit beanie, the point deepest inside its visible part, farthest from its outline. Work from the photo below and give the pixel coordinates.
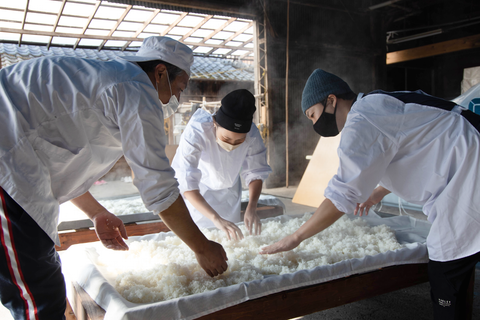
(321, 95)
(424, 149)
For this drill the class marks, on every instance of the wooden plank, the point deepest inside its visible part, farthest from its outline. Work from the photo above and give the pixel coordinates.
(434, 49)
(321, 168)
(302, 301)
(299, 302)
(86, 307)
(86, 235)
(69, 314)
(126, 219)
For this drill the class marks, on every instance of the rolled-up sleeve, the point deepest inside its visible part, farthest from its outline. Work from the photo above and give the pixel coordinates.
(136, 109)
(187, 158)
(364, 155)
(255, 166)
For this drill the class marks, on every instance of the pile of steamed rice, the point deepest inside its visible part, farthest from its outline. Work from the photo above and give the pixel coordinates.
(153, 271)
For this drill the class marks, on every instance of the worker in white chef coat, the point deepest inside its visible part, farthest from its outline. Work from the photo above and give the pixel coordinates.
(65, 121)
(422, 148)
(214, 151)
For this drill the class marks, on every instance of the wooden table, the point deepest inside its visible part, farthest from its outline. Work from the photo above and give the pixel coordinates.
(297, 302)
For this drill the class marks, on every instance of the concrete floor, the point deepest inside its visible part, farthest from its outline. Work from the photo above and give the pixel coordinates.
(410, 303)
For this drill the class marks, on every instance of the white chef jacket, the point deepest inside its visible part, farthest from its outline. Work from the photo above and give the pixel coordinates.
(201, 164)
(65, 122)
(425, 155)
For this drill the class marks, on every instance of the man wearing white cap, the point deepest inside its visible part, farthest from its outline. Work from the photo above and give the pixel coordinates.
(65, 122)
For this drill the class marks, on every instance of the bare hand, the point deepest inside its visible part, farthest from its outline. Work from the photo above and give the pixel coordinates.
(110, 230)
(212, 259)
(288, 243)
(229, 228)
(364, 207)
(251, 218)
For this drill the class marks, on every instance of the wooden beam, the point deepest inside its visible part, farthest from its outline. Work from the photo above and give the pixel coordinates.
(174, 24)
(91, 36)
(119, 21)
(434, 49)
(198, 26)
(56, 22)
(23, 22)
(95, 9)
(145, 24)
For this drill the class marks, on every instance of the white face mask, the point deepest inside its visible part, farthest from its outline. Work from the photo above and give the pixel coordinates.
(225, 145)
(172, 105)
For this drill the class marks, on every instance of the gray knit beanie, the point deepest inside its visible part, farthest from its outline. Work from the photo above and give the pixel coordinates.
(319, 85)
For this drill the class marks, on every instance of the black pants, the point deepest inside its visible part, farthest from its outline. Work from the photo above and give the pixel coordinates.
(31, 282)
(449, 282)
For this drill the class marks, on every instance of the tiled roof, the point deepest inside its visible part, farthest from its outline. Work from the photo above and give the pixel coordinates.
(202, 68)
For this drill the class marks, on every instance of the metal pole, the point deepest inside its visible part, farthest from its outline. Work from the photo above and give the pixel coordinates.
(286, 97)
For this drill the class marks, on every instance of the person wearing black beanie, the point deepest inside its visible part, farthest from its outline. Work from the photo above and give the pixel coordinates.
(213, 153)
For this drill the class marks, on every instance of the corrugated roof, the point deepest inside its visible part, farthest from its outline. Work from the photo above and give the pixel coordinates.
(202, 68)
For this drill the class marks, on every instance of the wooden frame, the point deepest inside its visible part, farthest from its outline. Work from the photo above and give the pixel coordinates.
(76, 232)
(297, 302)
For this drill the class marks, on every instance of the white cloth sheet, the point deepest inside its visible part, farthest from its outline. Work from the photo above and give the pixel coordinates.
(79, 266)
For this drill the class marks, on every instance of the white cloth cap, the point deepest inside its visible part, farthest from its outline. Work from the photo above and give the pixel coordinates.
(165, 49)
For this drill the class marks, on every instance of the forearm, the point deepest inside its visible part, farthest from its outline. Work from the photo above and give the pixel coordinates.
(254, 191)
(325, 215)
(178, 219)
(380, 192)
(88, 204)
(199, 202)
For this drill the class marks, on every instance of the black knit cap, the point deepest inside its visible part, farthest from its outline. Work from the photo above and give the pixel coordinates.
(236, 111)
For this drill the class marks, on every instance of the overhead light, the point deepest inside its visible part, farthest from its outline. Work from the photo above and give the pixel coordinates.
(383, 4)
(415, 36)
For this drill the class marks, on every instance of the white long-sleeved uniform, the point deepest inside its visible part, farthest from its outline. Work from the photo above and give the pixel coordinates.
(425, 155)
(66, 121)
(201, 164)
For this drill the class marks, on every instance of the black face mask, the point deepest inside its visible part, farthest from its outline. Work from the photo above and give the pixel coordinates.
(326, 125)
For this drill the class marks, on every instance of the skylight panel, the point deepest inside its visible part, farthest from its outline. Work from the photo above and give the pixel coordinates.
(223, 35)
(214, 23)
(147, 34)
(239, 52)
(44, 6)
(179, 30)
(69, 30)
(202, 33)
(235, 26)
(36, 39)
(109, 12)
(90, 42)
(17, 4)
(155, 28)
(202, 49)
(11, 15)
(193, 39)
(129, 26)
(115, 43)
(37, 27)
(97, 32)
(190, 21)
(233, 44)
(9, 36)
(123, 34)
(213, 41)
(72, 22)
(138, 15)
(11, 25)
(78, 9)
(40, 18)
(102, 24)
(165, 18)
(64, 41)
(243, 37)
(221, 51)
